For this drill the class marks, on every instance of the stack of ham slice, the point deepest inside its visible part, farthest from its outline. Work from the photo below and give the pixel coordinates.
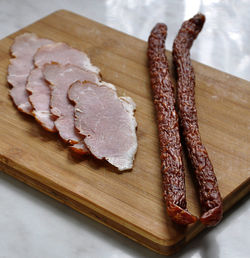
(59, 86)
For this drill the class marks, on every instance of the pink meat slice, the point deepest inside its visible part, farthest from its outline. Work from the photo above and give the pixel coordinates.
(63, 54)
(60, 78)
(106, 121)
(40, 99)
(23, 50)
(59, 53)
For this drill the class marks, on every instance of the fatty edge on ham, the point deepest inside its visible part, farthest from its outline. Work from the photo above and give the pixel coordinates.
(79, 148)
(106, 121)
(60, 78)
(59, 53)
(23, 50)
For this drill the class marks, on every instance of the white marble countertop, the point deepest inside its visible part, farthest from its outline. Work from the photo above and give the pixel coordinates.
(36, 226)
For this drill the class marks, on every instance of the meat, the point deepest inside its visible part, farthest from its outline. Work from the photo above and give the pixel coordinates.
(40, 99)
(41, 74)
(59, 53)
(63, 54)
(210, 197)
(60, 78)
(79, 148)
(23, 50)
(172, 168)
(106, 121)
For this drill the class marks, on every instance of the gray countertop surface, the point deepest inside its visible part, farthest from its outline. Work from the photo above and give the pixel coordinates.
(34, 225)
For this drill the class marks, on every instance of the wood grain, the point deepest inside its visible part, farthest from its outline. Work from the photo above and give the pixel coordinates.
(130, 203)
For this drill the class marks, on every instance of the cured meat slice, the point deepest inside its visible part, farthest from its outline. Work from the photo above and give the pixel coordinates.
(40, 99)
(106, 121)
(60, 78)
(172, 169)
(210, 197)
(59, 53)
(63, 54)
(23, 50)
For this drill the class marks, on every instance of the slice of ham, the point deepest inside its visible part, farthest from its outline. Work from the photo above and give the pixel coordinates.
(63, 54)
(40, 99)
(60, 78)
(23, 50)
(59, 53)
(106, 121)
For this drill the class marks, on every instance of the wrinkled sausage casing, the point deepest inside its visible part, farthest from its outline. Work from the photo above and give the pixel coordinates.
(170, 147)
(209, 194)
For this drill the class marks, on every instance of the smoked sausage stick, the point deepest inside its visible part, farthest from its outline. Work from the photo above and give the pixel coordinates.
(170, 146)
(209, 194)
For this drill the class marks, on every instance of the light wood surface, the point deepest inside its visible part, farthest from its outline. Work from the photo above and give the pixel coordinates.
(130, 203)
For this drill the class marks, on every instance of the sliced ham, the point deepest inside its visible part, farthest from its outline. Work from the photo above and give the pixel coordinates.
(106, 121)
(63, 54)
(60, 78)
(41, 74)
(40, 99)
(23, 50)
(59, 53)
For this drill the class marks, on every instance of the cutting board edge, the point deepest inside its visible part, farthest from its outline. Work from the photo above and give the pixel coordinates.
(155, 246)
(91, 213)
(20, 31)
(25, 175)
(169, 52)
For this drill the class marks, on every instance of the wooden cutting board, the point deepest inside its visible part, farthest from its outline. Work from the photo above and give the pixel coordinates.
(130, 203)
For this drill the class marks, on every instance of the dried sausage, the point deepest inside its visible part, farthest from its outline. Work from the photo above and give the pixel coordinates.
(170, 146)
(209, 194)
(168, 128)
